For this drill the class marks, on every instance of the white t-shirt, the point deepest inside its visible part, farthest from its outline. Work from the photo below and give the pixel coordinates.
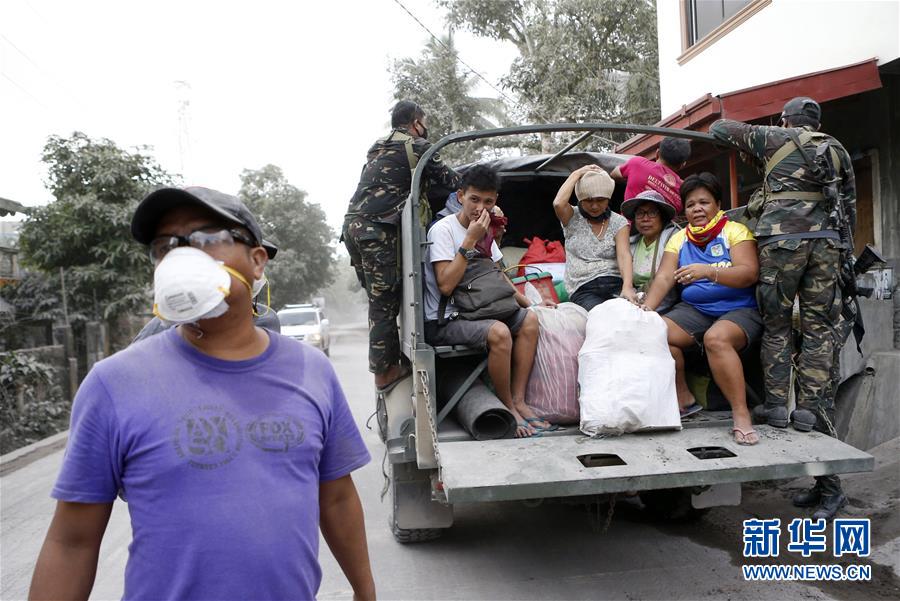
(446, 236)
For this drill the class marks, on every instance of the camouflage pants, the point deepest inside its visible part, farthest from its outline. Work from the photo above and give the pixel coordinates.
(373, 249)
(807, 269)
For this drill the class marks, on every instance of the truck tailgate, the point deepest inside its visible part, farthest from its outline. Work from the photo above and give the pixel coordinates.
(572, 464)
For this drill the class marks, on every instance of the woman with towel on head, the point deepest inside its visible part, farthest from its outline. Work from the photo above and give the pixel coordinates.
(598, 258)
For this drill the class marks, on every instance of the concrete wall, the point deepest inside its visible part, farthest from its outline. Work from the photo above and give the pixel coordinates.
(769, 46)
(868, 405)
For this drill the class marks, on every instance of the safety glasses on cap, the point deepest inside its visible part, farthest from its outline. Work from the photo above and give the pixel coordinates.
(200, 239)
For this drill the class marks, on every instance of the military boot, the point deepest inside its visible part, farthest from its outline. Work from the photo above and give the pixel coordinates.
(829, 506)
(808, 498)
(803, 420)
(774, 415)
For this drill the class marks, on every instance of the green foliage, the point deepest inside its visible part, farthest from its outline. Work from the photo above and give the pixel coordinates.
(305, 259)
(86, 230)
(440, 84)
(26, 382)
(35, 297)
(579, 60)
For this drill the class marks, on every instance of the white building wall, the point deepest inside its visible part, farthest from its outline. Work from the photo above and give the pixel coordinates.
(785, 39)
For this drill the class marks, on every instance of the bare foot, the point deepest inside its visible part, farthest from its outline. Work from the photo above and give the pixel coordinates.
(523, 430)
(686, 400)
(743, 431)
(394, 373)
(533, 419)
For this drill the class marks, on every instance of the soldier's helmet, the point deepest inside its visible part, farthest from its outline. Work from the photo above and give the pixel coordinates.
(802, 105)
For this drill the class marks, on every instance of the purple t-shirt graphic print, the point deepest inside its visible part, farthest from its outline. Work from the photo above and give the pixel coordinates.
(219, 462)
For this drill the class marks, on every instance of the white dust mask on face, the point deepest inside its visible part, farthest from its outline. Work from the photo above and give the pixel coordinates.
(258, 285)
(189, 285)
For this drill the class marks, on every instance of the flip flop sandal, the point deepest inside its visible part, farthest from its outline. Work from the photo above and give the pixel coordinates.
(524, 424)
(532, 420)
(745, 434)
(689, 411)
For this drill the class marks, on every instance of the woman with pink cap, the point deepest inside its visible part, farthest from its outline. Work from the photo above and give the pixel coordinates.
(598, 257)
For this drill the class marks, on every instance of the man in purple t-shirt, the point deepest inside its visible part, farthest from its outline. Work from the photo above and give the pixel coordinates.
(231, 445)
(659, 175)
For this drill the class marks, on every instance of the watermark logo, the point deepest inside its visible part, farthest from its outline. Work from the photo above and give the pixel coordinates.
(761, 538)
(852, 537)
(807, 536)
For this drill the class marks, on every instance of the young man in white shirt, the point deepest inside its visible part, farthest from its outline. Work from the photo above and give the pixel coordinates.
(510, 342)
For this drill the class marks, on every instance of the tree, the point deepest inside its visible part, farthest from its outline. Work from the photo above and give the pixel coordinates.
(85, 231)
(579, 60)
(305, 259)
(443, 87)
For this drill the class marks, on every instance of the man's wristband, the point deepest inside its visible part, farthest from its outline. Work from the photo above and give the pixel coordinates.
(468, 253)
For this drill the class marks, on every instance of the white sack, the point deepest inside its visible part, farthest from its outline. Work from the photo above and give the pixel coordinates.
(626, 373)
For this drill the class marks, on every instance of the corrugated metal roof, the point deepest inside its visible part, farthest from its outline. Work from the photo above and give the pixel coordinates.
(10, 207)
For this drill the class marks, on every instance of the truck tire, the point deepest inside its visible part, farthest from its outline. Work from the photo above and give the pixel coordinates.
(416, 535)
(671, 505)
(401, 476)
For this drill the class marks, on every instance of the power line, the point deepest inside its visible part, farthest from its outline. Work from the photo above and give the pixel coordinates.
(43, 72)
(456, 56)
(24, 91)
(482, 77)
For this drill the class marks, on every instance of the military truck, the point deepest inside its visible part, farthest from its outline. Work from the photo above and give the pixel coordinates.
(433, 464)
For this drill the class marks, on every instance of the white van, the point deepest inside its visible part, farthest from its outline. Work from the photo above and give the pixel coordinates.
(306, 323)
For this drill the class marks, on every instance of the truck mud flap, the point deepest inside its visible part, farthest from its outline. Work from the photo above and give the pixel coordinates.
(567, 465)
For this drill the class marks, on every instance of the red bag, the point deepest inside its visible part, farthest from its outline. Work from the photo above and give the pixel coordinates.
(542, 251)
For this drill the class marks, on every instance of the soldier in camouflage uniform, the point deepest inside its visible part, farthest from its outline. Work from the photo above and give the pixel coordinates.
(799, 256)
(371, 230)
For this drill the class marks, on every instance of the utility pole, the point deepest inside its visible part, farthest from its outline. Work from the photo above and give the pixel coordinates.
(65, 304)
(183, 98)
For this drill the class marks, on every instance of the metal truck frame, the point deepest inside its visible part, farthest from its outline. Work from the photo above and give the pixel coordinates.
(433, 464)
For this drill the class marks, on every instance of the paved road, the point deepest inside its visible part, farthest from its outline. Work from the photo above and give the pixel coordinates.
(494, 551)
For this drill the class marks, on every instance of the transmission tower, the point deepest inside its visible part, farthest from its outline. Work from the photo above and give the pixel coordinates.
(183, 100)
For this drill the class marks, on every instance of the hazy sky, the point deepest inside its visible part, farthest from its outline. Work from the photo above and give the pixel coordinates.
(302, 84)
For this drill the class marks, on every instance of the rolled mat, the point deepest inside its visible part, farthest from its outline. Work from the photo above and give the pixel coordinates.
(479, 411)
(483, 415)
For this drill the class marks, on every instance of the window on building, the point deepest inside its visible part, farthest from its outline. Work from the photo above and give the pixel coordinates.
(702, 16)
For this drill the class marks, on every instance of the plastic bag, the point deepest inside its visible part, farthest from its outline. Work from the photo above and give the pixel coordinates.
(626, 373)
(552, 390)
(542, 251)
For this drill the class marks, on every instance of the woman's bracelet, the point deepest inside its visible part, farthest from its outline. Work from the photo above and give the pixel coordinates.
(716, 281)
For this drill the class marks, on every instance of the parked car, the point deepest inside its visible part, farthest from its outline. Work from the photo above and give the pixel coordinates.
(306, 323)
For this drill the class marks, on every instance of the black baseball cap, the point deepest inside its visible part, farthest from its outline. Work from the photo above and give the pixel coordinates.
(159, 202)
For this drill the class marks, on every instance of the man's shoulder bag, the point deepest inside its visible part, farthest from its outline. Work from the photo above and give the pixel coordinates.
(483, 293)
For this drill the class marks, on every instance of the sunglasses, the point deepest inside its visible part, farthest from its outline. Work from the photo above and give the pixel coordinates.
(201, 239)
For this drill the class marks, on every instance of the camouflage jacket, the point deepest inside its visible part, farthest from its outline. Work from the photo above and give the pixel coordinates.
(784, 215)
(386, 178)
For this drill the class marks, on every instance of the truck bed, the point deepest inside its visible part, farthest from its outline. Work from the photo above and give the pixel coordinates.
(569, 463)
